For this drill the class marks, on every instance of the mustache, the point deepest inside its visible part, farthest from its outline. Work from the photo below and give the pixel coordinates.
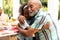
(30, 11)
(33, 11)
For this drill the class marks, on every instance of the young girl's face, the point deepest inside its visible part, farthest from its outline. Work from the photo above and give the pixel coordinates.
(26, 13)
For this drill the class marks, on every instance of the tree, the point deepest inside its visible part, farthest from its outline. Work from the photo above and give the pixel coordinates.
(7, 7)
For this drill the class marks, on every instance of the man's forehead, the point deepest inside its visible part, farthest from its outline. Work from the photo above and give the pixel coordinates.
(31, 3)
(35, 1)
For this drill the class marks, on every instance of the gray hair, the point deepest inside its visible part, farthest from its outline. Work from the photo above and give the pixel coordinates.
(36, 1)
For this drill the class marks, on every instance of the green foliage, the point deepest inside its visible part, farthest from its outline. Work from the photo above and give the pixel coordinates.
(7, 7)
(23, 1)
(43, 0)
(44, 8)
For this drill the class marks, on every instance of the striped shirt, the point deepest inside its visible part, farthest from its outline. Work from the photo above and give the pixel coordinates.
(45, 34)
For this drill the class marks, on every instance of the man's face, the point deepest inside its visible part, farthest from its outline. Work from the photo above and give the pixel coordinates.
(33, 8)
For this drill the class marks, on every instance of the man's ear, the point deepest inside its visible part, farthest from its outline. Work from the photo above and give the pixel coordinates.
(39, 7)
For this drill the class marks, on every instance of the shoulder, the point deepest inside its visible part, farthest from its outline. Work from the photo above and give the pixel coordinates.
(40, 14)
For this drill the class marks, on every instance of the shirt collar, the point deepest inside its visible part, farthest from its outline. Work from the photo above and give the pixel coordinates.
(38, 13)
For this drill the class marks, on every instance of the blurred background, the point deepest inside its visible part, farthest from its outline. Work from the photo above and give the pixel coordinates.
(7, 6)
(44, 3)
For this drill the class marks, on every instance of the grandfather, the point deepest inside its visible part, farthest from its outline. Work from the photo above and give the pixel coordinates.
(35, 12)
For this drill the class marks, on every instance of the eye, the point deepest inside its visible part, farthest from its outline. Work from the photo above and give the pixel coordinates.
(31, 6)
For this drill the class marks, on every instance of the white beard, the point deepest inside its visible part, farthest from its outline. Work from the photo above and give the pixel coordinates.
(33, 13)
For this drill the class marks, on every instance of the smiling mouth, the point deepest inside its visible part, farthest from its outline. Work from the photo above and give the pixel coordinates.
(30, 11)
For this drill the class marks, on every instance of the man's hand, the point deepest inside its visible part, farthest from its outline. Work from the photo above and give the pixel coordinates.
(21, 19)
(47, 25)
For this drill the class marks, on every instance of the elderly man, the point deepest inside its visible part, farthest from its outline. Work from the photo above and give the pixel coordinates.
(48, 32)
